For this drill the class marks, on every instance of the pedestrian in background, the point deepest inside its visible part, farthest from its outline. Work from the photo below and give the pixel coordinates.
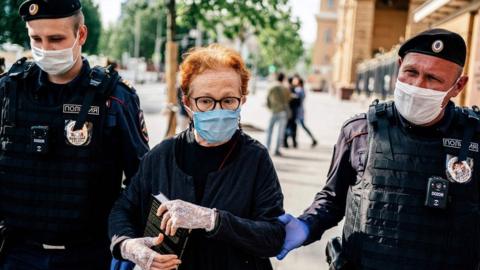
(300, 93)
(293, 104)
(278, 98)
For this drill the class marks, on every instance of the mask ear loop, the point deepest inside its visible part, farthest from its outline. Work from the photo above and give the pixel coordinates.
(451, 89)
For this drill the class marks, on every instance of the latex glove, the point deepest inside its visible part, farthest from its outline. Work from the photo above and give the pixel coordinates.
(138, 250)
(180, 214)
(297, 232)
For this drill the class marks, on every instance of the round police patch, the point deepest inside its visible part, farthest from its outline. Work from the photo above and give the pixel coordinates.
(81, 137)
(459, 172)
(437, 46)
(33, 9)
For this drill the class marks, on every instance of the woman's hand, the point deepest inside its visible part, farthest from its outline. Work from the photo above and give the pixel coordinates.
(138, 251)
(181, 214)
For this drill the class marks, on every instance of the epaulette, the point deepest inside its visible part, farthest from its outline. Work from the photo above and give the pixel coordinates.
(356, 117)
(468, 116)
(127, 84)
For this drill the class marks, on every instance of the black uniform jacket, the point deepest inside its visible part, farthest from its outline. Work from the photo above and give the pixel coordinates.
(347, 167)
(246, 193)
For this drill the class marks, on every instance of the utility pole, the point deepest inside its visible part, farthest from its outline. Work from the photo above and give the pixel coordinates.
(171, 69)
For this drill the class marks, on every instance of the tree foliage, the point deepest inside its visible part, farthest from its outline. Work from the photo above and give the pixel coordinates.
(94, 25)
(269, 20)
(12, 27)
(281, 46)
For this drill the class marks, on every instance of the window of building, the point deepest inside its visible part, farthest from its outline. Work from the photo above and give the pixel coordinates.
(327, 36)
(330, 4)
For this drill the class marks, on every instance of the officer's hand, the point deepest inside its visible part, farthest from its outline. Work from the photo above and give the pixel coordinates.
(297, 232)
(138, 250)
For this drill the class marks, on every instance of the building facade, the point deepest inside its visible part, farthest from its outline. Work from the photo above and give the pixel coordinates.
(325, 45)
(370, 31)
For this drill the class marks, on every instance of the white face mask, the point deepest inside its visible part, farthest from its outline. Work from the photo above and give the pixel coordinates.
(418, 105)
(55, 62)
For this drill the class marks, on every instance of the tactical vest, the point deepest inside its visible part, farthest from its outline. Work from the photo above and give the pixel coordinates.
(56, 192)
(387, 224)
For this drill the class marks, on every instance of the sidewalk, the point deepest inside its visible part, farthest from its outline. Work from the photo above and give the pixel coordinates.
(302, 172)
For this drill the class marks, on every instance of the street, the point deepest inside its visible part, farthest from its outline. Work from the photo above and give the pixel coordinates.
(302, 172)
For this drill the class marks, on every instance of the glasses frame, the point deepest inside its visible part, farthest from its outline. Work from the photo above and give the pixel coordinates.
(215, 101)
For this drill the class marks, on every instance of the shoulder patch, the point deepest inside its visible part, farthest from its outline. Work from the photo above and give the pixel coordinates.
(127, 83)
(356, 117)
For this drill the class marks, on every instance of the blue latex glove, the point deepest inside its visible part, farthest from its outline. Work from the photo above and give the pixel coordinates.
(297, 232)
(121, 265)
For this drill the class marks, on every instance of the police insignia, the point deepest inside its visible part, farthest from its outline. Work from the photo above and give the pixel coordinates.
(33, 9)
(143, 126)
(81, 137)
(437, 46)
(459, 172)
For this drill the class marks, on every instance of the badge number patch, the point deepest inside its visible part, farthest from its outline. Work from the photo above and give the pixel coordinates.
(81, 137)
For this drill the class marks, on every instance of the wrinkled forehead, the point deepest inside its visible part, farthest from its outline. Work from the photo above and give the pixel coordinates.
(431, 64)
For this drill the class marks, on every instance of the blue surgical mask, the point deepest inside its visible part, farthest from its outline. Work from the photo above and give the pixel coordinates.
(216, 126)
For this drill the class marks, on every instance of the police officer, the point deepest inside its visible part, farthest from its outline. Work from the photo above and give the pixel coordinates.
(405, 175)
(68, 134)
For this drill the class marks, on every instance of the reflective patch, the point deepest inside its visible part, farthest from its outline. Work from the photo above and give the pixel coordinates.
(459, 172)
(81, 137)
(76, 108)
(143, 126)
(457, 144)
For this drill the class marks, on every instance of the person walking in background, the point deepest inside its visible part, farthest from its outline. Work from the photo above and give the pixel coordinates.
(278, 98)
(293, 104)
(300, 93)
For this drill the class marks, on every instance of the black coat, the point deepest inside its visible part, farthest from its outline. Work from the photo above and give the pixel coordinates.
(246, 193)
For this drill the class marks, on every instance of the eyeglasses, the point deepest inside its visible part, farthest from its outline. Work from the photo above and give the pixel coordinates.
(207, 103)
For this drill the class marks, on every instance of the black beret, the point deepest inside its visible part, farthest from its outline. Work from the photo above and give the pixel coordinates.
(439, 43)
(48, 9)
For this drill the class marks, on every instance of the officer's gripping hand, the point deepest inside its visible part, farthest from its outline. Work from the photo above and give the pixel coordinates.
(180, 214)
(138, 250)
(297, 232)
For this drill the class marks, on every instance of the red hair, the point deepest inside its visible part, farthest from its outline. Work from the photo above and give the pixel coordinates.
(214, 56)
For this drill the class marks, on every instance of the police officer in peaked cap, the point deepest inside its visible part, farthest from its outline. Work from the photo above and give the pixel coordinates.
(69, 132)
(406, 174)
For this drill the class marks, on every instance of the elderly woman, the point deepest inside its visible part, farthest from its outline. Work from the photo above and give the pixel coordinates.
(221, 183)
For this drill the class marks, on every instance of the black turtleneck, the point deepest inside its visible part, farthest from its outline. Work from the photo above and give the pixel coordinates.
(198, 161)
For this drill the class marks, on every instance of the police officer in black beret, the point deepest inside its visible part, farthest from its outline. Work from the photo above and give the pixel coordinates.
(406, 174)
(68, 134)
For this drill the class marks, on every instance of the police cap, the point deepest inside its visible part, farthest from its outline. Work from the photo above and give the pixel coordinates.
(48, 9)
(439, 43)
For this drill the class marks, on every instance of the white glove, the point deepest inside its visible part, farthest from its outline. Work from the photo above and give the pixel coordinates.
(181, 214)
(138, 251)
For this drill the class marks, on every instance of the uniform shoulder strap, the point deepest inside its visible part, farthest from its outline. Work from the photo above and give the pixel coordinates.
(104, 80)
(379, 110)
(21, 68)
